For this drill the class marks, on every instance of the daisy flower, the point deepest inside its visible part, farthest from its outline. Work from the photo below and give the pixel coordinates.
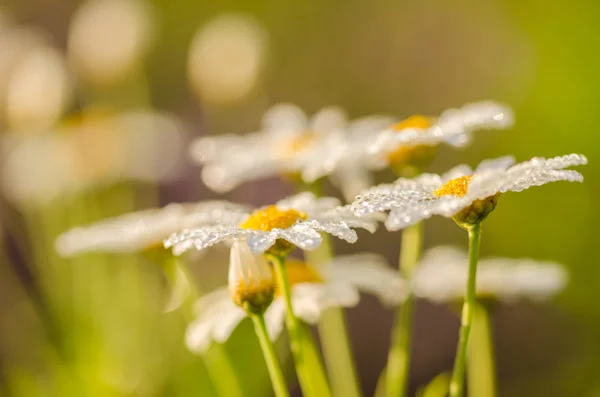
(281, 147)
(467, 195)
(145, 229)
(442, 274)
(335, 284)
(414, 139)
(294, 221)
(372, 143)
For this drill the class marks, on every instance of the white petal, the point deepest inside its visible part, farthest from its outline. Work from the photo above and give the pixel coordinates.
(302, 235)
(370, 273)
(284, 117)
(203, 237)
(329, 119)
(274, 318)
(226, 322)
(311, 299)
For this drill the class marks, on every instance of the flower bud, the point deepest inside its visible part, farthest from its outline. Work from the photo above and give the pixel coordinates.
(251, 281)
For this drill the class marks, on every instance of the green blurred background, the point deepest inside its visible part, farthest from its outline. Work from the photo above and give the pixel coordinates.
(90, 326)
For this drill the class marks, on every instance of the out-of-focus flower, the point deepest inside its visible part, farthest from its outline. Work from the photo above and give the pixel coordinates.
(145, 229)
(108, 38)
(468, 196)
(16, 42)
(341, 155)
(94, 150)
(38, 90)
(372, 143)
(334, 284)
(441, 276)
(226, 58)
(283, 146)
(295, 221)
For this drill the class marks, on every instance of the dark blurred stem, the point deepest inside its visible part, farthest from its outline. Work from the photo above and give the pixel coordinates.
(397, 372)
(458, 373)
(333, 333)
(481, 368)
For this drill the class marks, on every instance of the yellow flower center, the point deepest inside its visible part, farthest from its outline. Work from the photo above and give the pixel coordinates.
(407, 156)
(296, 144)
(272, 218)
(299, 272)
(416, 121)
(456, 187)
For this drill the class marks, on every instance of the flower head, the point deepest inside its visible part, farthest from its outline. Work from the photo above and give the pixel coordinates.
(467, 195)
(442, 273)
(335, 284)
(282, 147)
(375, 142)
(144, 229)
(295, 221)
(410, 141)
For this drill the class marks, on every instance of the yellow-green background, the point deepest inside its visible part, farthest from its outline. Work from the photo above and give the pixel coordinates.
(396, 57)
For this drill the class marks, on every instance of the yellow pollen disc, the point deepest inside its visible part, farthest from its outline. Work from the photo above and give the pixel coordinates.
(272, 218)
(456, 187)
(299, 272)
(411, 155)
(297, 144)
(416, 121)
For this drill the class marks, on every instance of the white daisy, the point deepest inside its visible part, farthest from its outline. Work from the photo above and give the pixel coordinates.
(296, 220)
(92, 150)
(145, 229)
(372, 143)
(336, 284)
(468, 196)
(441, 276)
(280, 147)
(454, 127)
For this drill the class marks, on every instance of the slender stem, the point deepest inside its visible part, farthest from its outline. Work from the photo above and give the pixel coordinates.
(480, 364)
(277, 378)
(338, 353)
(397, 372)
(334, 336)
(306, 356)
(458, 378)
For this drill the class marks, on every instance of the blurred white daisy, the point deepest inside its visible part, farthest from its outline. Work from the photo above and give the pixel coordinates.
(95, 149)
(294, 221)
(372, 143)
(109, 38)
(226, 58)
(145, 229)
(441, 276)
(412, 140)
(335, 284)
(38, 90)
(467, 195)
(282, 146)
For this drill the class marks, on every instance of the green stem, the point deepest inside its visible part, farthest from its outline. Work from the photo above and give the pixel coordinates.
(306, 356)
(334, 336)
(338, 353)
(277, 379)
(457, 380)
(481, 368)
(397, 372)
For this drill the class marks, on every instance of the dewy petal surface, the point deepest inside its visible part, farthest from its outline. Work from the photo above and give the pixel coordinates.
(411, 200)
